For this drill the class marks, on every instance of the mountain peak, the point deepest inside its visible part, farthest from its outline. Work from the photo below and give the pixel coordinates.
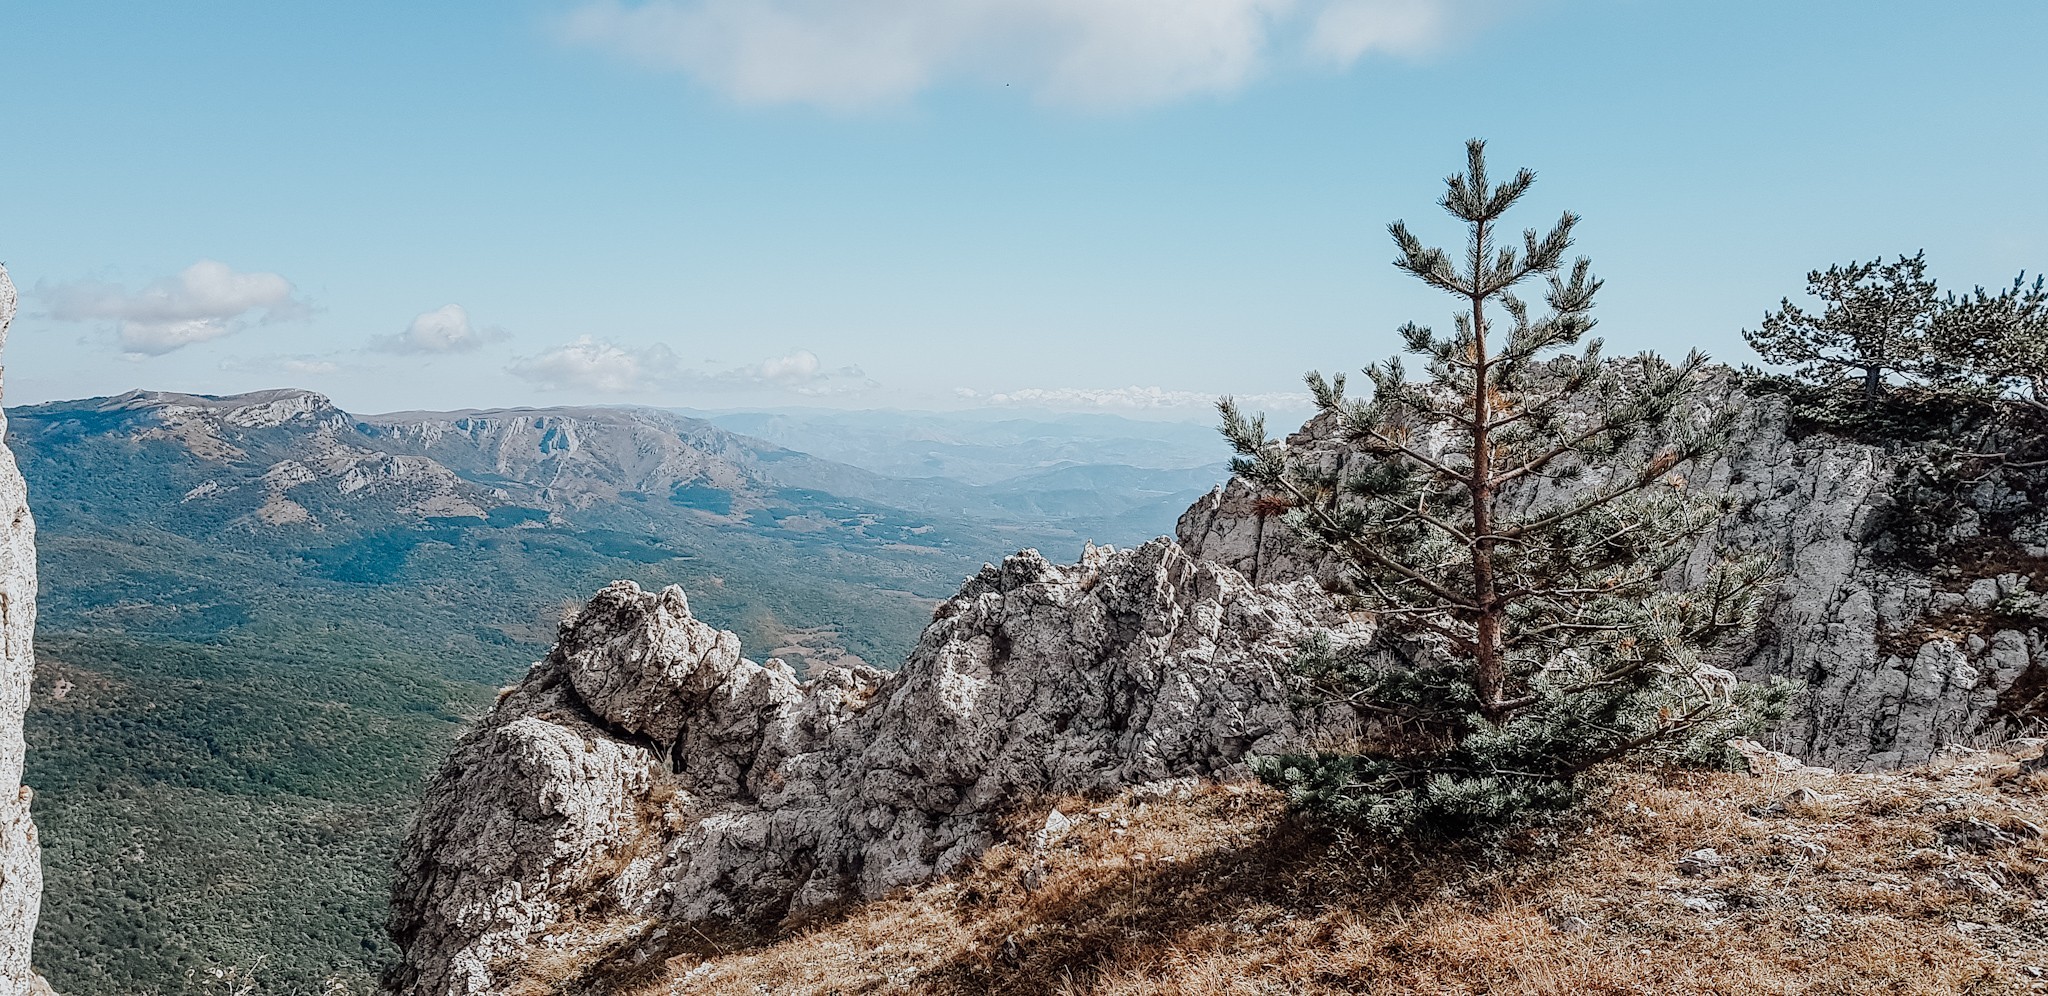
(254, 410)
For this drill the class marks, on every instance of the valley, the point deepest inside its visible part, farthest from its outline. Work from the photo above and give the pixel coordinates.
(264, 619)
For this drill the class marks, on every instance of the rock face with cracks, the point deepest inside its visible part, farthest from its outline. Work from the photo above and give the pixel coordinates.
(644, 767)
(21, 868)
(1898, 659)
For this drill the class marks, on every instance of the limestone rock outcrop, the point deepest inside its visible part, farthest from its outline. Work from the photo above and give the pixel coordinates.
(1898, 658)
(645, 772)
(21, 868)
(644, 768)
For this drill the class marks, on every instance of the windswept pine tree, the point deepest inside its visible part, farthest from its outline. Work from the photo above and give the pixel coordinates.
(1887, 354)
(1510, 533)
(1878, 321)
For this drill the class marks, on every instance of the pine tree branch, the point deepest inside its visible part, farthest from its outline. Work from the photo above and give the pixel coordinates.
(1574, 511)
(1416, 455)
(1518, 594)
(1525, 635)
(1358, 550)
(1459, 642)
(1539, 406)
(1419, 513)
(1618, 674)
(1537, 463)
(1662, 730)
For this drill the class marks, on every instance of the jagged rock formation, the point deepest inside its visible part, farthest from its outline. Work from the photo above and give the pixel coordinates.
(1899, 658)
(645, 768)
(21, 865)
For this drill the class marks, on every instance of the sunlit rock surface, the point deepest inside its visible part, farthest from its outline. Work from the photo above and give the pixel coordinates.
(21, 867)
(646, 767)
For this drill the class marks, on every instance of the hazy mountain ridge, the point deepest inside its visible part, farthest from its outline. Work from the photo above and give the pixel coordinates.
(474, 461)
(581, 455)
(288, 478)
(988, 447)
(576, 456)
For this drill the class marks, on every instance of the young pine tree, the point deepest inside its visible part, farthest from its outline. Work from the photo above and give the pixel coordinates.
(1509, 530)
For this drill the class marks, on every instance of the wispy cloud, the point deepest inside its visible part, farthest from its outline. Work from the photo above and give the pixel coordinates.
(205, 301)
(293, 364)
(1095, 53)
(1124, 398)
(1347, 30)
(599, 366)
(446, 329)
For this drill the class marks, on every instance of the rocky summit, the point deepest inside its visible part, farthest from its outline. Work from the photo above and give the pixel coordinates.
(646, 766)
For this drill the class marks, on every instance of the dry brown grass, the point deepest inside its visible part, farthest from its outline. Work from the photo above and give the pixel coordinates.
(1850, 885)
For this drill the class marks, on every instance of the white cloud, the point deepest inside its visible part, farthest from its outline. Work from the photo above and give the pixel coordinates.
(205, 301)
(306, 366)
(1346, 30)
(599, 366)
(799, 367)
(1124, 398)
(1103, 53)
(602, 367)
(800, 372)
(446, 329)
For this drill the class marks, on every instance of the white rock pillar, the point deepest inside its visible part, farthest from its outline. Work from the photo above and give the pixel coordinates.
(21, 859)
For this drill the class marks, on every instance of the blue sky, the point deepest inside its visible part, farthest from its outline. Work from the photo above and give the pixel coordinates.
(1122, 205)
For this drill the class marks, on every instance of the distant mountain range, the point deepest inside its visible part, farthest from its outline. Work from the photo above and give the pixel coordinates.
(266, 610)
(980, 447)
(286, 470)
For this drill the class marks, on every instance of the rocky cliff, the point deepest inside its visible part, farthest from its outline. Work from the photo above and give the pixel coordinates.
(21, 868)
(1911, 626)
(645, 776)
(646, 773)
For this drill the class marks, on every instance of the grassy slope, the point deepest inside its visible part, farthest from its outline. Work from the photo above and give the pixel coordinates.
(1872, 884)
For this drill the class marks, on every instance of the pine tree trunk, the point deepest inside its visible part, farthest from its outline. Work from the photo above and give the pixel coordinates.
(1487, 666)
(1871, 385)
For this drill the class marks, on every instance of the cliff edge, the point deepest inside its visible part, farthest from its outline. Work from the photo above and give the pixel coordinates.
(21, 856)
